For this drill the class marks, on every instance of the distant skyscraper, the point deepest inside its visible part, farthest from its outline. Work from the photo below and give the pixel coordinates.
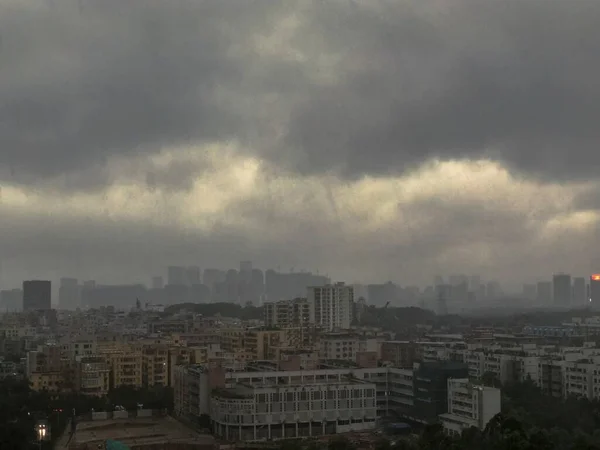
(493, 290)
(456, 280)
(69, 293)
(437, 280)
(176, 275)
(561, 289)
(529, 291)
(37, 295)
(245, 275)
(193, 275)
(443, 293)
(157, 282)
(11, 300)
(595, 290)
(474, 283)
(211, 277)
(544, 293)
(579, 293)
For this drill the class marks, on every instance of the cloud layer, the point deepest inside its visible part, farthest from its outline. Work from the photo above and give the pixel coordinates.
(375, 139)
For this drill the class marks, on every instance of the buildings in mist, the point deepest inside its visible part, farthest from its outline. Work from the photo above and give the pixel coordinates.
(69, 293)
(544, 293)
(595, 290)
(561, 290)
(579, 292)
(246, 284)
(37, 295)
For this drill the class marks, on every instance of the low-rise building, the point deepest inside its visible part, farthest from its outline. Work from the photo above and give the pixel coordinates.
(469, 405)
(257, 411)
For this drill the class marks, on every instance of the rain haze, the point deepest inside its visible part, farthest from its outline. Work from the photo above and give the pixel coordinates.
(370, 140)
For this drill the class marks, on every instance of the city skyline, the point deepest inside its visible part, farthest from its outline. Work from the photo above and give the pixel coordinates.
(367, 139)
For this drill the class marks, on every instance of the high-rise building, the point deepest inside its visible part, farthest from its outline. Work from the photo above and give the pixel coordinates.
(246, 270)
(69, 293)
(37, 295)
(157, 282)
(11, 300)
(443, 294)
(331, 306)
(561, 289)
(579, 294)
(595, 290)
(529, 291)
(176, 275)
(474, 283)
(544, 293)
(193, 275)
(493, 290)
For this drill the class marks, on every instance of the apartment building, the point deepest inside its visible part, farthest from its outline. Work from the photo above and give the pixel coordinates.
(232, 338)
(551, 376)
(331, 306)
(287, 313)
(430, 383)
(261, 343)
(126, 368)
(155, 365)
(346, 346)
(13, 331)
(93, 376)
(469, 405)
(74, 348)
(47, 370)
(400, 353)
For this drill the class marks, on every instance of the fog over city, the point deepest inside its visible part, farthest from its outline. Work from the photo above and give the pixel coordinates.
(369, 140)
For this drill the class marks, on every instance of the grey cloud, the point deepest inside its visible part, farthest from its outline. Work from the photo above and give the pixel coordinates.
(512, 80)
(508, 80)
(116, 78)
(431, 237)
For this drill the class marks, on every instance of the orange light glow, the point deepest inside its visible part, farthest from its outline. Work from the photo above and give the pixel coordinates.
(596, 277)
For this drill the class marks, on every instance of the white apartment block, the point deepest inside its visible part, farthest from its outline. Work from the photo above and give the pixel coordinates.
(331, 306)
(469, 406)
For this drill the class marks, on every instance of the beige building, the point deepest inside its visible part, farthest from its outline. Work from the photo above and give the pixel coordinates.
(93, 376)
(126, 368)
(287, 313)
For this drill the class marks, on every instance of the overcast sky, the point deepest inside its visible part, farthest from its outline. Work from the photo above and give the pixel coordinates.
(371, 140)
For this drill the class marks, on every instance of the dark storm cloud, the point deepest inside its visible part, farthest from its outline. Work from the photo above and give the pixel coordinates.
(512, 80)
(114, 78)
